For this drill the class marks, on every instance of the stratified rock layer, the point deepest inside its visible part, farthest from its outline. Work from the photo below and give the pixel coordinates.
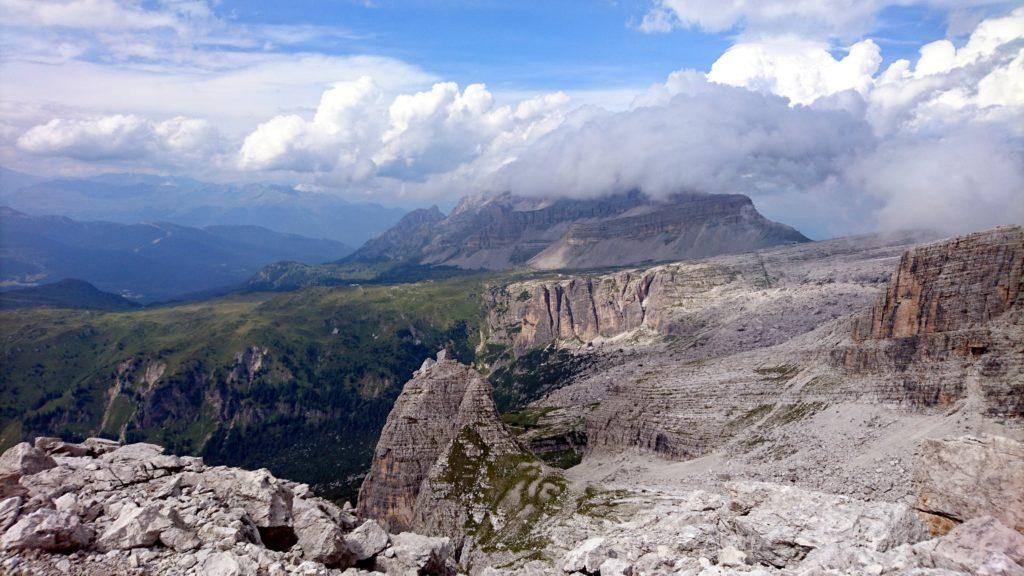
(950, 324)
(504, 231)
(440, 399)
(480, 486)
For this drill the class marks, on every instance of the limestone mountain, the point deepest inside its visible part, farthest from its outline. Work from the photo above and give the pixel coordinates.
(502, 231)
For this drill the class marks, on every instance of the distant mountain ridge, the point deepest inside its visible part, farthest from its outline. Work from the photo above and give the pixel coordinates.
(147, 261)
(131, 198)
(69, 293)
(506, 231)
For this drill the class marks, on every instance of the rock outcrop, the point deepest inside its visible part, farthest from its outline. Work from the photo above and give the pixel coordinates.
(950, 324)
(420, 426)
(103, 508)
(447, 466)
(504, 231)
(967, 477)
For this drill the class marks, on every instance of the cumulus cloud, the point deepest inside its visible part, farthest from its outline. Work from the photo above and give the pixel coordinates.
(799, 69)
(122, 137)
(358, 132)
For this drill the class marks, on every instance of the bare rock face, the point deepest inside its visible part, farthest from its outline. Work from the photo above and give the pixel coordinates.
(21, 460)
(969, 477)
(950, 323)
(420, 426)
(48, 530)
(949, 286)
(442, 448)
(779, 525)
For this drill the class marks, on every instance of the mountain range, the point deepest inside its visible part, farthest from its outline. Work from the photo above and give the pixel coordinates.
(505, 231)
(132, 198)
(497, 232)
(147, 261)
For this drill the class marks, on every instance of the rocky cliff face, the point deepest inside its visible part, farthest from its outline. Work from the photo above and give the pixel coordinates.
(405, 238)
(953, 308)
(420, 426)
(447, 466)
(505, 231)
(721, 305)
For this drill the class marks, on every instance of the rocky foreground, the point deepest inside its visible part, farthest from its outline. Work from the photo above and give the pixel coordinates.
(102, 508)
(99, 508)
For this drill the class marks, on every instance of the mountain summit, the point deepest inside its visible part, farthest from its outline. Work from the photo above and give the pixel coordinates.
(505, 231)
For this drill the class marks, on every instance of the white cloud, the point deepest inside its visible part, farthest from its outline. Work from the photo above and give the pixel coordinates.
(122, 137)
(798, 69)
(357, 132)
(97, 14)
(817, 19)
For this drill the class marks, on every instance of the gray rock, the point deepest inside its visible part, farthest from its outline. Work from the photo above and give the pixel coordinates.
(321, 539)
(779, 525)
(367, 540)
(100, 446)
(967, 477)
(587, 557)
(978, 546)
(228, 564)
(59, 447)
(9, 510)
(137, 527)
(615, 567)
(731, 557)
(416, 554)
(24, 459)
(48, 530)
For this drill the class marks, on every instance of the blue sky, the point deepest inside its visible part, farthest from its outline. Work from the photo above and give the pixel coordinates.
(539, 45)
(509, 45)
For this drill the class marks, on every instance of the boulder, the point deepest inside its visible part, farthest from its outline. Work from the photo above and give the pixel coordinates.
(367, 540)
(587, 557)
(267, 500)
(412, 553)
(730, 556)
(615, 567)
(779, 525)
(137, 453)
(60, 447)
(227, 563)
(137, 527)
(24, 459)
(100, 446)
(967, 477)
(321, 539)
(48, 530)
(9, 510)
(979, 546)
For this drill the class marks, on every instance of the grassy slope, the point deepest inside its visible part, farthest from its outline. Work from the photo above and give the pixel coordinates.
(337, 359)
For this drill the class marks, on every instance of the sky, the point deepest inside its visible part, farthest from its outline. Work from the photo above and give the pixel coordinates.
(835, 116)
